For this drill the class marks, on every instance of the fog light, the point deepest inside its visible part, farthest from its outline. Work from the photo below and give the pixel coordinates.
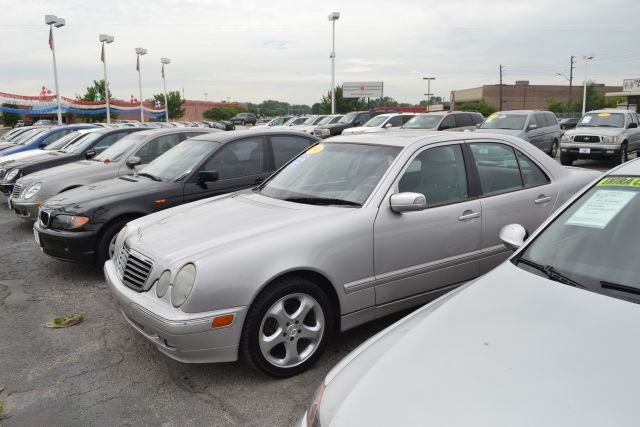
(563, 149)
(222, 321)
(610, 152)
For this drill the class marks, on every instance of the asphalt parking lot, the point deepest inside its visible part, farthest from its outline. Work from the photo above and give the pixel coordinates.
(101, 372)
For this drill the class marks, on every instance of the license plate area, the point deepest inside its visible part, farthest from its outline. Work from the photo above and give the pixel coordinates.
(585, 150)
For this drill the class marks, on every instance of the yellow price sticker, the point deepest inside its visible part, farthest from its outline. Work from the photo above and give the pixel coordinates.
(315, 149)
(493, 116)
(619, 181)
(604, 115)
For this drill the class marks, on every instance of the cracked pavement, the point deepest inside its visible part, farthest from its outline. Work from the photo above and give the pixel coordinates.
(102, 372)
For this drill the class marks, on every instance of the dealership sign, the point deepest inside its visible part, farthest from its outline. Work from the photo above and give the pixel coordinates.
(362, 90)
(630, 85)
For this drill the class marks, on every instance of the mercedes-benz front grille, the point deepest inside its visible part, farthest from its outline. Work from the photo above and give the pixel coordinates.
(133, 268)
(586, 138)
(17, 189)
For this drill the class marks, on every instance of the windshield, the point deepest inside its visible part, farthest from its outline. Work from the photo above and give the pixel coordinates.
(278, 121)
(348, 118)
(120, 148)
(505, 121)
(338, 172)
(594, 242)
(310, 120)
(179, 161)
(326, 120)
(82, 144)
(426, 121)
(611, 120)
(27, 136)
(376, 121)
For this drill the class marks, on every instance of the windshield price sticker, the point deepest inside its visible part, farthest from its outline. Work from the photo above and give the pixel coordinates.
(315, 149)
(619, 181)
(601, 208)
(604, 114)
(586, 119)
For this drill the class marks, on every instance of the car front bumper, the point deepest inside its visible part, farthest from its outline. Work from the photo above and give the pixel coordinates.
(27, 211)
(590, 150)
(185, 337)
(73, 246)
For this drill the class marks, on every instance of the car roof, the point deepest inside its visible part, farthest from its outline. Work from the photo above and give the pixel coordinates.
(224, 137)
(610, 110)
(168, 131)
(409, 137)
(629, 168)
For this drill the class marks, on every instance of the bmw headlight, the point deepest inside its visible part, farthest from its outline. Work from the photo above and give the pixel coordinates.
(31, 191)
(11, 175)
(610, 139)
(326, 132)
(162, 285)
(182, 285)
(68, 222)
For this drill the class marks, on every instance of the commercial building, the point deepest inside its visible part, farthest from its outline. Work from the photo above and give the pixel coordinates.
(195, 109)
(522, 95)
(631, 93)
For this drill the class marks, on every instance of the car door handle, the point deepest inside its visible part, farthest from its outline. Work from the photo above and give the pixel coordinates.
(542, 199)
(467, 215)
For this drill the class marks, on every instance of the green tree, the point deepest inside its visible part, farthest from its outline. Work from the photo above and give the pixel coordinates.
(595, 100)
(481, 106)
(175, 102)
(556, 106)
(343, 105)
(386, 101)
(222, 113)
(95, 92)
(434, 100)
(10, 119)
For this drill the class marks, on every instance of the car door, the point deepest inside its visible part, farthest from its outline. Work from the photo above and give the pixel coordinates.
(240, 164)
(418, 252)
(514, 189)
(537, 136)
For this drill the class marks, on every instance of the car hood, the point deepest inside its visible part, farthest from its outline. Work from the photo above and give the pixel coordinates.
(7, 145)
(512, 348)
(31, 157)
(81, 170)
(363, 129)
(8, 161)
(512, 132)
(194, 230)
(594, 131)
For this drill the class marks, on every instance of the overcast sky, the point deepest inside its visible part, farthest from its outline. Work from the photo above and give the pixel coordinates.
(257, 50)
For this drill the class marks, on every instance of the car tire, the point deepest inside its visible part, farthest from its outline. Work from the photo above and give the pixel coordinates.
(272, 317)
(553, 152)
(104, 248)
(623, 155)
(566, 159)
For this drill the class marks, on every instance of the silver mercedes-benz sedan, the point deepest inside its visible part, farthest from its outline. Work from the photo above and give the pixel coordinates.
(548, 338)
(348, 231)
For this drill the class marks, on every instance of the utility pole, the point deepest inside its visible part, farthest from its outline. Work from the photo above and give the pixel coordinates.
(500, 87)
(570, 80)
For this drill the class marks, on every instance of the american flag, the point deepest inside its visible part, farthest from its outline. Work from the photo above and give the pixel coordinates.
(51, 38)
(102, 53)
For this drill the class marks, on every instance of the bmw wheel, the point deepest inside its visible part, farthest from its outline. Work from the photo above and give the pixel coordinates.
(287, 327)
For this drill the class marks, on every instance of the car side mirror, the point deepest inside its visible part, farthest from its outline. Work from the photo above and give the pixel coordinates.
(633, 125)
(532, 127)
(388, 125)
(208, 176)
(478, 125)
(133, 162)
(513, 236)
(90, 154)
(408, 202)
(42, 144)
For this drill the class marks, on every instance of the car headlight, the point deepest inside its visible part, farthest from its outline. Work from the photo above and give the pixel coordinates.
(68, 222)
(610, 139)
(162, 285)
(566, 138)
(31, 191)
(326, 132)
(11, 175)
(313, 413)
(182, 285)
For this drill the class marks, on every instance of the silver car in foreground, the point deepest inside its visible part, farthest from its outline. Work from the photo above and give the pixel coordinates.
(349, 231)
(548, 338)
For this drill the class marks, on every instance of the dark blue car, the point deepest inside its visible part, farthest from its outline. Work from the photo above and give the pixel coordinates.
(43, 139)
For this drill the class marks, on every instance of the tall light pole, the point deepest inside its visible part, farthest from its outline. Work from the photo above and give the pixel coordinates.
(139, 52)
(428, 79)
(105, 38)
(54, 21)
(164, 62)
(205, 96)
(584, 86)
(333, 17)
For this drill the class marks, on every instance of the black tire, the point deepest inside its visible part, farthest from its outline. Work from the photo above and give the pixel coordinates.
(622, 156)
(566, 159)
(553, 152)
(102, 247)
(281, 288)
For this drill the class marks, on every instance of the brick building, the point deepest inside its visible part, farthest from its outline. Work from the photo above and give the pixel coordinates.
(522, 96)
(195, 109)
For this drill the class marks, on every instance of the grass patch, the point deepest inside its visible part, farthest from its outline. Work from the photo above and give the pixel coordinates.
(65, 321)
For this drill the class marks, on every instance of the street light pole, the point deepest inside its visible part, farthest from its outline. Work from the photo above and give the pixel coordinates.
(333, 17)
(164, 62)
(139, 52)
(584, 86)
(54, 21)
(105, 38)
(428, 79)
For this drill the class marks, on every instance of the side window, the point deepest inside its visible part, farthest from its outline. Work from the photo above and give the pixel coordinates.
(533, 121)
(532, 175)
(438, 173)
(395, 121)
(188, 135)
(406, 118)
(542, 122)
(477, 118)
(447, 123)
(363, 118)
(157, 147)
(634, 118)
(551, 119)
(497, 167)
(108, 141)
(239, 158)
(463, 120)
(287, 147)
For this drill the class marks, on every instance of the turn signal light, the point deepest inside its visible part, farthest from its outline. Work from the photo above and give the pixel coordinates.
(222, 321)
(160, 201)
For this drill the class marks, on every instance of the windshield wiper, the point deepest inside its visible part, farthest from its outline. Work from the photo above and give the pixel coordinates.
(617, 287)
(322, 201)
(148, 175)
(551, 273)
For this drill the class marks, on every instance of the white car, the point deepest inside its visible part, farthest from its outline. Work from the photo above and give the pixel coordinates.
(380, 123)
(326, 120)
